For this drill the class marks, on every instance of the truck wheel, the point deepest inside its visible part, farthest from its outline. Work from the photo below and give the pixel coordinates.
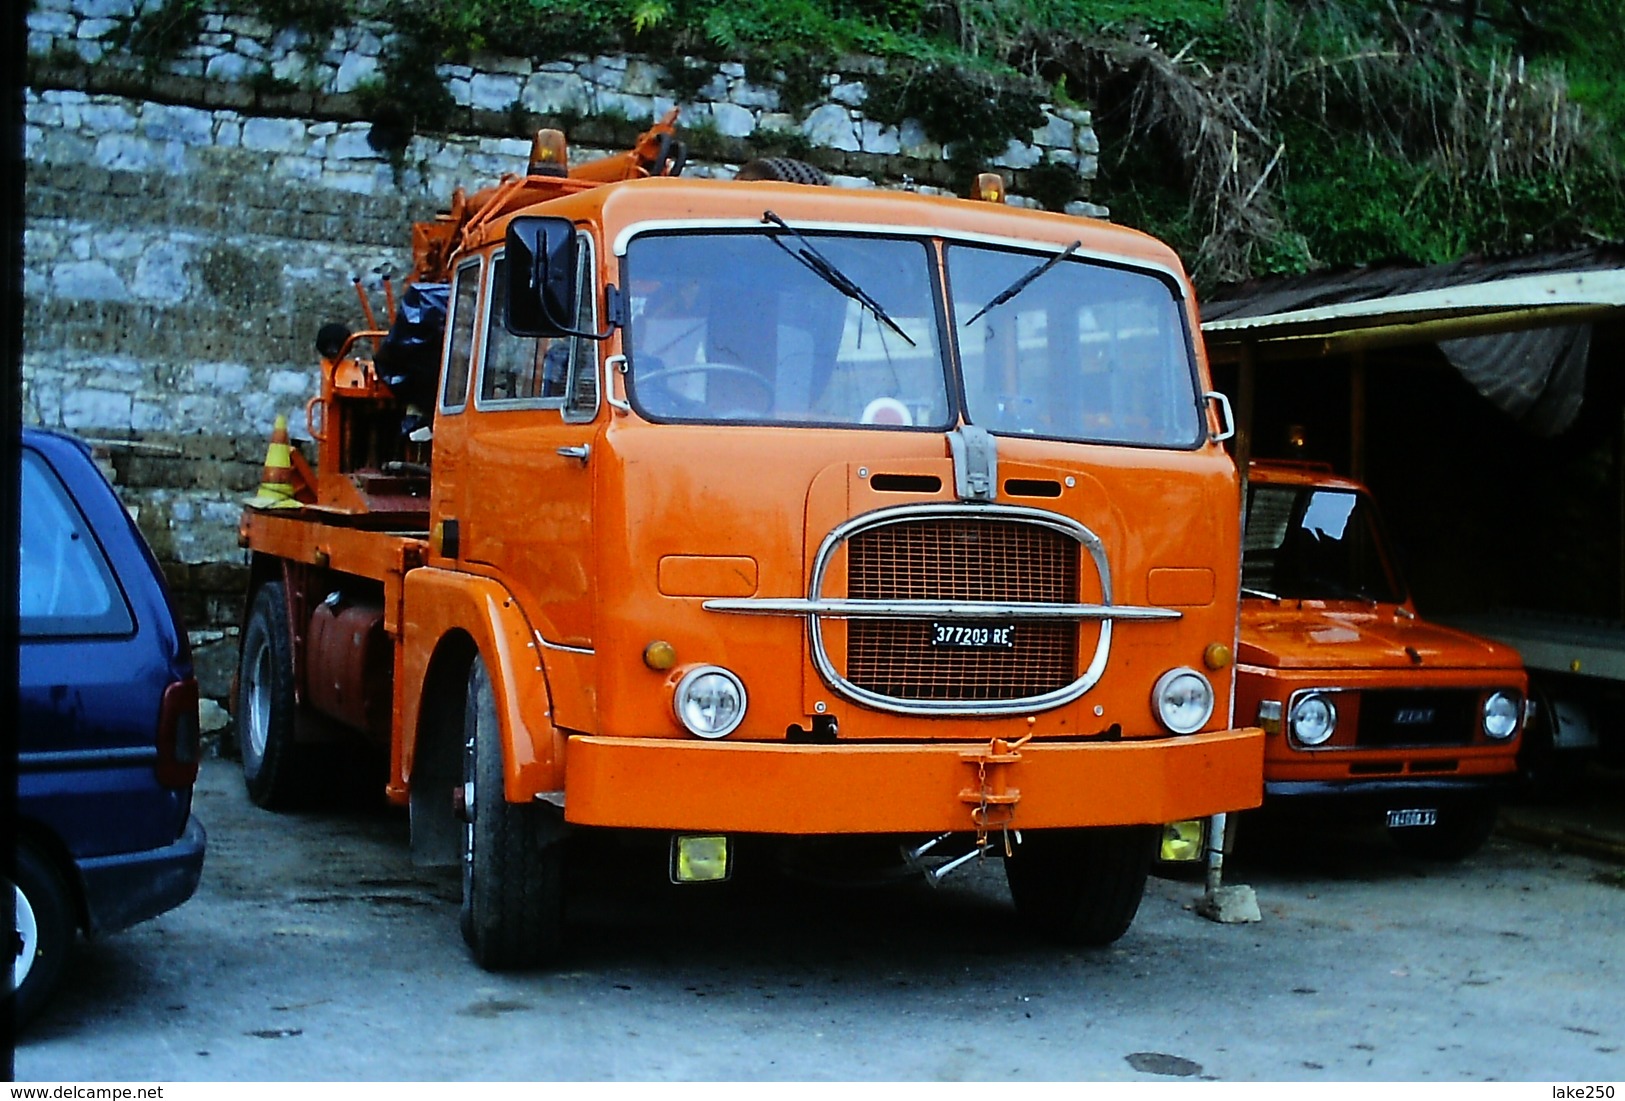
(265, 703)
(1461, 831)
(1081, 886)
(513, 854)
(782, 169)
(42, 934)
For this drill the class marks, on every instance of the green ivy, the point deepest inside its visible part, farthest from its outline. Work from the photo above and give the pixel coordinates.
(1054, 185)
(160, 33)
(314, 20)
(973, 113)
(407, 97)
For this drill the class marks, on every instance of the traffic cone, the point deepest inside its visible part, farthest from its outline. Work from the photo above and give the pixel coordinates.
(277, 482)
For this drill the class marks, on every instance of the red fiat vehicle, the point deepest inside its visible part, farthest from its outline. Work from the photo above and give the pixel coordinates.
(1368, 708)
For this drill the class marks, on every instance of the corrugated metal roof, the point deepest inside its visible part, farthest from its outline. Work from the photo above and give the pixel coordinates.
(1518, 329)
(1504, 305)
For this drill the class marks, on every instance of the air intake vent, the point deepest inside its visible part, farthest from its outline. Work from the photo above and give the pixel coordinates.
(906, 483)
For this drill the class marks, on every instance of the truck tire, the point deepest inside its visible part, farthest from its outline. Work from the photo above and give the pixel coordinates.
(1082, 886)
(43, 933)
(782, 169)
(266, 706)
(1461, 831)
(513, 854)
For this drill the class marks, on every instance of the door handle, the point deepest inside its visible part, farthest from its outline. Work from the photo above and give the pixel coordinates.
(581, 451)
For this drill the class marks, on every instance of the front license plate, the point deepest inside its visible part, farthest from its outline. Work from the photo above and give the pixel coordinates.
(974, 636)
(1417, 817)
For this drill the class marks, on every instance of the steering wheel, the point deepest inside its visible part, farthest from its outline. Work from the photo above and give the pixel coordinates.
(728, 370)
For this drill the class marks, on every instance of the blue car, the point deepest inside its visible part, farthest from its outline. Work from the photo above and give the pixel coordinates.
(107, 746)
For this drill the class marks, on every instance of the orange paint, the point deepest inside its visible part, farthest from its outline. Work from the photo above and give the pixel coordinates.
(571, 531)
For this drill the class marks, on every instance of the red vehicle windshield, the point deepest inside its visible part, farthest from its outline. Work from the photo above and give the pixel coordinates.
(1312, 543)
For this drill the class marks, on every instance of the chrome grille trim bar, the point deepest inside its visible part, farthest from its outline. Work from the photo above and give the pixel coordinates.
(816, 606)
(935, 609)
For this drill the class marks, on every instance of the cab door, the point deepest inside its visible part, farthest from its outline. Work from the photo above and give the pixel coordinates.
(447, 504)
(528, 464)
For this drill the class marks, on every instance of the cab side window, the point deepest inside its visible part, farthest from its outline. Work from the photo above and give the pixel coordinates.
(548, 372)
(520, 368)
(65, 585)
(581, 402)
(460, 346)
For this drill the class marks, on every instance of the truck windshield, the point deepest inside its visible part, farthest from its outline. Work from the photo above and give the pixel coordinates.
(1080, 350)
(733, 327)
(1309, 543)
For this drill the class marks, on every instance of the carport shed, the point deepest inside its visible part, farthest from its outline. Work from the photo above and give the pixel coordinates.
(1484, 404)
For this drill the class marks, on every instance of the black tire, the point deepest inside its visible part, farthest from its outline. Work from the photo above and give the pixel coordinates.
(42, 933)
(783, 170)
(513, 854)
(1082, 886)
(1461, 831)
(266, 707)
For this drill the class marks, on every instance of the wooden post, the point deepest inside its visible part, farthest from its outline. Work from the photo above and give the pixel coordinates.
(1246, 382)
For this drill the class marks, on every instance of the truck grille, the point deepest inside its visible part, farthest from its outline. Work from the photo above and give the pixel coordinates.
(1410, 717)
(967, 560)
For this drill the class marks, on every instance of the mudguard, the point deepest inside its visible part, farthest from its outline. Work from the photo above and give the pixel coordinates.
(439, 603)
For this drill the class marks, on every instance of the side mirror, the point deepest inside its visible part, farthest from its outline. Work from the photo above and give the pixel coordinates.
(541, 270)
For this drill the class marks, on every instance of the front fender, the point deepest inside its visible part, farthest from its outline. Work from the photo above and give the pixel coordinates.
(440, 603)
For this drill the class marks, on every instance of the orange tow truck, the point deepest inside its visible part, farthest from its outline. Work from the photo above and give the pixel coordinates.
(760, 509)
(1369, 709)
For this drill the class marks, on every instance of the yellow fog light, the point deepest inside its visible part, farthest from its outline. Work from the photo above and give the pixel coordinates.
(1182, 841)
(1216, 656)
(1269, 716)
(660, 654)
(700, 858)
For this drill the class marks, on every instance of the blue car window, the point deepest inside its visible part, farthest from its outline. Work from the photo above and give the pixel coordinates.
(64, 584)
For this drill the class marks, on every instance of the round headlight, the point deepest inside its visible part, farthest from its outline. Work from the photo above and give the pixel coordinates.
(1314, 717)
(709, 701)
(1183, 700)
(1501, 714)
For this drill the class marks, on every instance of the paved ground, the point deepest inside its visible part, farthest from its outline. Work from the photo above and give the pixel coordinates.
(1587, 816)
(314, 950)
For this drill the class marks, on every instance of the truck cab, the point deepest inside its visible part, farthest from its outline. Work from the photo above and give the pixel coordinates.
(764, 508)
(1369, 709)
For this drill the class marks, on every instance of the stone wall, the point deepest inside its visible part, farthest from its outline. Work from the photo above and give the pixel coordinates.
(189, 226)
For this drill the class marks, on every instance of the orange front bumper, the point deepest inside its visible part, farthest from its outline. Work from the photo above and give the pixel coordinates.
(757, 787)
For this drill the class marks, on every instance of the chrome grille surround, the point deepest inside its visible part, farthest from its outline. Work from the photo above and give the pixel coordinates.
(816, 607)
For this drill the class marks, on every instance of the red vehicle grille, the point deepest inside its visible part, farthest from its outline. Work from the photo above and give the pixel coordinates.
(1417, 717)
(961, 560)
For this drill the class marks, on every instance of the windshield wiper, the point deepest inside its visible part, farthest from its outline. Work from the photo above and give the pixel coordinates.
(819, 265)
(1021, 284)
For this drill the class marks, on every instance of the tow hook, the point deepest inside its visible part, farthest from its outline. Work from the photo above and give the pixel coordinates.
(992, 807)
(993, 801)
